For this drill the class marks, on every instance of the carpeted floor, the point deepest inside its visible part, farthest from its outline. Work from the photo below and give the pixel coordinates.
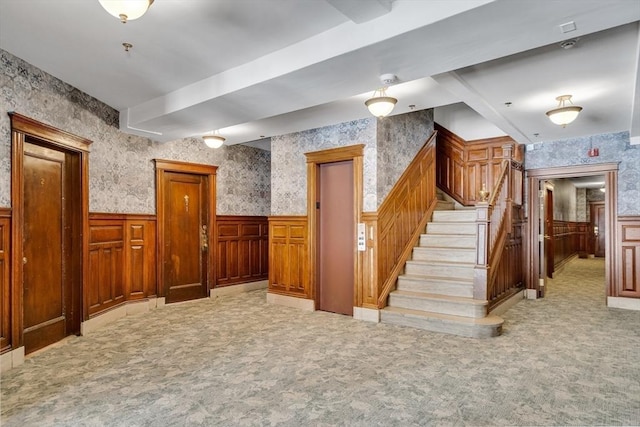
(236, 361)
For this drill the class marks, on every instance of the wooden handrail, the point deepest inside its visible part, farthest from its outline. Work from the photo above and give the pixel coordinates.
(493, 223)
(403, 216)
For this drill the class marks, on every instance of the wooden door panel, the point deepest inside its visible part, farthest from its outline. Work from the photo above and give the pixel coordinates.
(43, 247)
(185, 215)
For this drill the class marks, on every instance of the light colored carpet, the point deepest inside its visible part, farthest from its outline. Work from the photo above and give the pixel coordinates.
(237, 361)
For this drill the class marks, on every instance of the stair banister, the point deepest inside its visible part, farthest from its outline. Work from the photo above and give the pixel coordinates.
(493, 221)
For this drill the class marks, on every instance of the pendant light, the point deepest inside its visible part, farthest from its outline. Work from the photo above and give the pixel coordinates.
(380, 104)
(126, 10)
(564, 114)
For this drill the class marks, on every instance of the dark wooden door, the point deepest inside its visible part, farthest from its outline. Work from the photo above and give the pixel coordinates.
(47, 255)
(598, 229)
(186, 229)
(336, 237)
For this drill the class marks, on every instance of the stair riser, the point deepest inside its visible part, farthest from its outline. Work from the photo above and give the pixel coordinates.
(439, 270)
(451, 228)
(437, 325)
(444, 254)
(444, 206)
(438, 306)
(434, 287)
(454, 216)
(427, 240)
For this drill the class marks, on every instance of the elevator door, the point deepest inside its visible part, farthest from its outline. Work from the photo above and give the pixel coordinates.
(336, 237)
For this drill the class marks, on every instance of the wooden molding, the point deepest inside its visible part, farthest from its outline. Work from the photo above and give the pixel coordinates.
(122, 260)
(335, 154)
(463, 167)
(26, 125)
(5, 284)
(628, 268)
(534, 177)
(193, 168)
(243, 249)
(77, 148)
(354, 153)
(288, 256)
(207, 171)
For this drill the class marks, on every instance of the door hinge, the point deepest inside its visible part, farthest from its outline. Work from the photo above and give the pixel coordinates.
(317, 205)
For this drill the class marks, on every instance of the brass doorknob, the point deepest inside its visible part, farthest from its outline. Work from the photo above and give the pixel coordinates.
(24, 260)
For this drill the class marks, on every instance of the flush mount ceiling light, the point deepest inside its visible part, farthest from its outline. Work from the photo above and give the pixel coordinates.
(213, 140)
(126, 10)
(564, 114)
(381, 105)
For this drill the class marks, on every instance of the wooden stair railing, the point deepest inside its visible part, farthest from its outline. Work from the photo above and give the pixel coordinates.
(498, 265)
(399, 222)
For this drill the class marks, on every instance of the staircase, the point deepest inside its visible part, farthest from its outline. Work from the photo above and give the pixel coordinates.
(436, 291)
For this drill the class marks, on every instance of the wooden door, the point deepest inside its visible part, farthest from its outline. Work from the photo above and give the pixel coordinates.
(598, 229)
(186, 231)
(336, 237)
(48, 267)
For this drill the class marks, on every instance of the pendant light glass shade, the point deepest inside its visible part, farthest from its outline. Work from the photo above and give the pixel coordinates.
(126, 10)
(563, 115)
(213, 141)
(381, 105)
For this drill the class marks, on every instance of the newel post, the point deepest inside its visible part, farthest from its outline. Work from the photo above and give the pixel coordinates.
(507, 153)
(480, 274)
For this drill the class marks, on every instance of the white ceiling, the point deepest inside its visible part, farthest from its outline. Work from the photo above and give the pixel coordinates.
(257, 68)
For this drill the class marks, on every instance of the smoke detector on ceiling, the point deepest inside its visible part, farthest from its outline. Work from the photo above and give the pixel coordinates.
(569, 44)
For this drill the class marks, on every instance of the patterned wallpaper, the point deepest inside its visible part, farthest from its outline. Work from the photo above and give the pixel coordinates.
(564, 200)
(289, 164)
(121, 170)
(390, 145)
(582, 213)
(399, 138)
(614, 147)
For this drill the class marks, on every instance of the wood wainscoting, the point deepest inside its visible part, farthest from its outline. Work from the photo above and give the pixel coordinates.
(122, 260)
(569, 240)
(628, 268)
(243, 249)
(5, 286)
(288, 256)
(464, 166)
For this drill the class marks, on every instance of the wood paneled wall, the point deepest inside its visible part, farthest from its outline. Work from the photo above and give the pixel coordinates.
(5, 285)
(464, 166)
(122, 260)
(569, 239)
(243, 249)
(510, 274)
(628, 268)
(392, 233)
(288, 256)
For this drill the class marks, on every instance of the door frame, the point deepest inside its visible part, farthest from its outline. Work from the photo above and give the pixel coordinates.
(534, 177)
(593, 206)
(354, 153)
(49, 136)
(207, 171)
